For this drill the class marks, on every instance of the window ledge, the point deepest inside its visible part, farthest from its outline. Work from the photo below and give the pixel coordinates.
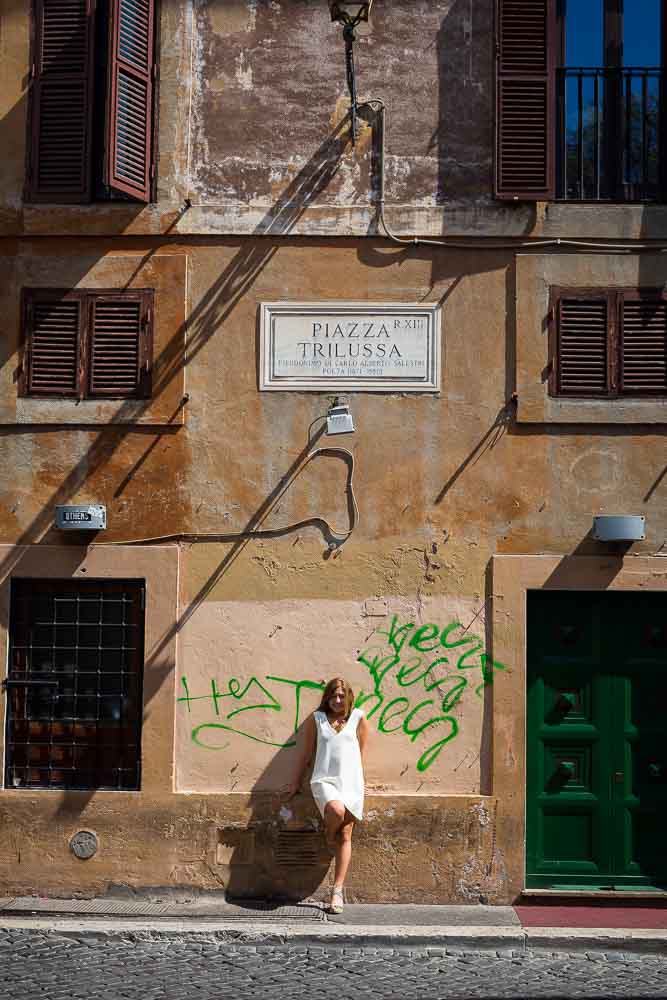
(146, 412)
(615, 221)
(542, 408)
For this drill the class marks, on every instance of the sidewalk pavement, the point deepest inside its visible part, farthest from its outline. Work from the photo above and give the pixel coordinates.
(469, 928)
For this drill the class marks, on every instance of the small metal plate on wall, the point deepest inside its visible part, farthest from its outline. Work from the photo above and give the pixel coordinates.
(84, 845)
(81, 517)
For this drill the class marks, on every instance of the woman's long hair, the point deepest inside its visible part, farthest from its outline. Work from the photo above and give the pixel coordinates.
(329, 690)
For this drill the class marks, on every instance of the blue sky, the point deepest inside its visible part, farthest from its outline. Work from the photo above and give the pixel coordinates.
(641, 31)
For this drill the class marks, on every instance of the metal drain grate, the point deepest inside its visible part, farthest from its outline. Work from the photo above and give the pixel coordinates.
(299, 849)
(247, 910)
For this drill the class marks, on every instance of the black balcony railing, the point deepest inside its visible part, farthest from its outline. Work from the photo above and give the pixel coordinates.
(609, 134)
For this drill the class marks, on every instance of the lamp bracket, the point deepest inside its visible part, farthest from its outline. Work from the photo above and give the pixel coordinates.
(350, 21)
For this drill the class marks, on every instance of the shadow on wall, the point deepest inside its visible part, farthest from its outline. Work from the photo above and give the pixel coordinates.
(207, 316)
(465, 137)
(280, 853)
(465, 121)
(201, 325)
(278, 849)
(12, 130)
(609, 563)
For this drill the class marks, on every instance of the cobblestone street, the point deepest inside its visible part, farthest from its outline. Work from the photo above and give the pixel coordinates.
(37, 965)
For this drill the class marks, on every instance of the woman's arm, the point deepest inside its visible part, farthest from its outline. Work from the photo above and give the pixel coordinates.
(308, 739)
(362, 735)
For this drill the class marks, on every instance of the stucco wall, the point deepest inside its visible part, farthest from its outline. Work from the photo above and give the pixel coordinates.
(256, 669)
(443, 483)
(260, 197)
(253, 134)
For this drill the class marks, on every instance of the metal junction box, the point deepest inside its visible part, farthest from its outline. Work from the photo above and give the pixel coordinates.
(81, 517)
(619, 527)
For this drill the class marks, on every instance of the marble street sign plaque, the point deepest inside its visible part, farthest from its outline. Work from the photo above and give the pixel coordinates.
(372, 347)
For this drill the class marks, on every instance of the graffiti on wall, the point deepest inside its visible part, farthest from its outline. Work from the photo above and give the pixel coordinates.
(433, 667)
(253, 696)
(423, 660)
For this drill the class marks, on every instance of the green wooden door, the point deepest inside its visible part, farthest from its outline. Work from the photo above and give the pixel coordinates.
(596, 808)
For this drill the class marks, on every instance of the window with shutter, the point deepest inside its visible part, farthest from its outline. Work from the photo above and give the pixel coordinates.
(608, 343)
(53, 349)
(87, 344)
(119, 354)
(91, 101)
(581, 105)
(525, 99)
(643, 362)
(130, 98)
(59, 168)
(583, 348)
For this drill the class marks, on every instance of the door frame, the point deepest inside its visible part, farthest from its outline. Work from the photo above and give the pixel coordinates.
(512, 577)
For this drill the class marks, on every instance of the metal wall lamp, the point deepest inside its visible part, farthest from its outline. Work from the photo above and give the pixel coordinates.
(350, 15)
(339, 419)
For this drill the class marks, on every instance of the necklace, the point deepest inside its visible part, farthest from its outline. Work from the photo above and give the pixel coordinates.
(337, 723)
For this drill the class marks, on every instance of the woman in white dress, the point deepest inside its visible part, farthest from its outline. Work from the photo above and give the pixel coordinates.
(337, 733)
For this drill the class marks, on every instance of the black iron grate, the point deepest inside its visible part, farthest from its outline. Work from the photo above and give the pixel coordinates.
(74, 684)
(610, 123)
(250, 910)
(299, 849)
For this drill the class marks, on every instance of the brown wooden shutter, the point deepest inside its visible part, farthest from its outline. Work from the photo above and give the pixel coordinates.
(130, 98)
(525, 99)
(53, 341)
(120, 344)
(61, 101)
(643, 345)
(584, 333)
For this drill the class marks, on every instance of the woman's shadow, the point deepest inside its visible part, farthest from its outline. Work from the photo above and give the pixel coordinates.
(281, 853)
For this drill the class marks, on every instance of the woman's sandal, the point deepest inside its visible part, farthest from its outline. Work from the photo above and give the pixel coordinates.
(337, 902)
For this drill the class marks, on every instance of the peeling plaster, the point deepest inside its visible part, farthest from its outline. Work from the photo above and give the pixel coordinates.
(243, 73)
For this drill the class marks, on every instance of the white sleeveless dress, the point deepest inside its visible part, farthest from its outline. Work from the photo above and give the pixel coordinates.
(338, 773)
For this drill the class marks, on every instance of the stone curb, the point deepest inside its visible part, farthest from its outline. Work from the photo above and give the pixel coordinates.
(464, 938)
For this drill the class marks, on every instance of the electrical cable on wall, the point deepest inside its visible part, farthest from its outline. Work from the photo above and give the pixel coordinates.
(338, 537)
(471, 244)
(457, 243)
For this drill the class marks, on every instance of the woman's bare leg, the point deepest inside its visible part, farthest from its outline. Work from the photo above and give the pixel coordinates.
(343, 850)
(334, 817)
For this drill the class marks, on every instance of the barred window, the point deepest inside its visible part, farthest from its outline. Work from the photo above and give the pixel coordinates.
(74, 684)
(580, 90)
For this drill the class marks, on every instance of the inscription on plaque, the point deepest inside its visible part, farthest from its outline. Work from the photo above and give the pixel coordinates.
(365, 346)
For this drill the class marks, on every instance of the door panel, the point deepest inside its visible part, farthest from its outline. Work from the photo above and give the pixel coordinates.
(597, 771)
(641, 798)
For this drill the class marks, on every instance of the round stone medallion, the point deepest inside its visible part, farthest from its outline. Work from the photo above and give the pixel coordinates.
(84, 844)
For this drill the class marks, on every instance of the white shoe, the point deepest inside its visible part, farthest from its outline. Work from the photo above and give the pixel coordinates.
(337, 902)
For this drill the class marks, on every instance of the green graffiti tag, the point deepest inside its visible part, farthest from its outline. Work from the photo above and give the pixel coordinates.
(261, 699)
(432, 662)
(413, 656)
